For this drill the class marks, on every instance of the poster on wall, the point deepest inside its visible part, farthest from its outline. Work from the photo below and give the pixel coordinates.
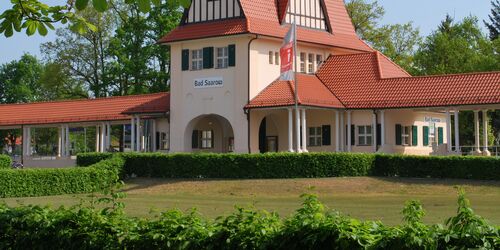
(208, 82)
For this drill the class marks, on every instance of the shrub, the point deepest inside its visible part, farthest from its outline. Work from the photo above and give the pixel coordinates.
(5, 162)
(87, 159)
(460, 167)
(43, 182)
(312, 227)
(248, 166)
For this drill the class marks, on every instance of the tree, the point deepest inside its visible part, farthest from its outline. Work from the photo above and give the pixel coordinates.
(494, 20)
(397, 41)
(19, 80)
(33, 15)
(57, 84)
(84, 55)
(139, 64)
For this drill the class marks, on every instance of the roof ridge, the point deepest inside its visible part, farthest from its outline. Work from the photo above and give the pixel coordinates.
(393, 63)
(457, 74)
(83, 99)
(331, 91)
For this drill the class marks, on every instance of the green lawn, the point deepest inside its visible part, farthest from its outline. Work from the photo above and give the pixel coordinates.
(363, 198)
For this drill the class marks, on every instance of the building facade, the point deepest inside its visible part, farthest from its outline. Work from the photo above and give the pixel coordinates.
(226, 95)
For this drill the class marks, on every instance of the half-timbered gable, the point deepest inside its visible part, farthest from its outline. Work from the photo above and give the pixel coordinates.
(212, 10)
(307, 13)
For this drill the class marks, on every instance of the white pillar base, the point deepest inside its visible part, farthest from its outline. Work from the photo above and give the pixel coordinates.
(486, 153)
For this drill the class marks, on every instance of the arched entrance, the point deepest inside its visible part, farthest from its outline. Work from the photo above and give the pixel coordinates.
(268, 135)
(209, 133)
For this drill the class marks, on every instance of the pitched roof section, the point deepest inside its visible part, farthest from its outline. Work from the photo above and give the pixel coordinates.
(369, 80)
(83, 110)
(282, 6)
(282, 93)
(262, 18)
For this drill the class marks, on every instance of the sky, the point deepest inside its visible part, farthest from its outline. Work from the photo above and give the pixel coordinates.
(425, 14)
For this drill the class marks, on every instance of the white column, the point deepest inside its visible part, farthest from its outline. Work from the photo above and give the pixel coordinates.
(60, 142)
(448, 131)
(97, 139)
(382, 128)
(297, 130)
(374, 132)
(349, 124)
(138, 134)
(25, 148)
(486, 152)
(290, 130)
(28, 141)
(342, 131)
(102, 138)
(304, 131)
(153, 135)
(337, 131)
(108, 135)
(457, 133)
(477, 140)
(132, 134)
(67, 147)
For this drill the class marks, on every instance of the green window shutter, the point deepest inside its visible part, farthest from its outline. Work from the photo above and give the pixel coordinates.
(326, 135)
(353, 135)
(426, 136)
(399, 131)
(185, 59)
(208, 57)
(440, 136)
(195, 139)
(232, 55)
(414, 137)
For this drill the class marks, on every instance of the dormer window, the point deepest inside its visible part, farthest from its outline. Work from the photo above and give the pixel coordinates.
(307, 13)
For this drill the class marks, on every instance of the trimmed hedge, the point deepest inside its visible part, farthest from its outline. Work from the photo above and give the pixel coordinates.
(248, 166)
(44, 182)
(5, 162)
(455, 167)
(312, 165)
(87, 159)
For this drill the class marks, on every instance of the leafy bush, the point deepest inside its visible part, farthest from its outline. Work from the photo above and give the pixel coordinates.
(87, 159)
(460, 167)
(5, 162)
(249, 166)
(312, 227)
(43, 182)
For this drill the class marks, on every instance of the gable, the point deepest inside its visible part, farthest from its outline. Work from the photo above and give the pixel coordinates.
(307, 13)
(212, 10)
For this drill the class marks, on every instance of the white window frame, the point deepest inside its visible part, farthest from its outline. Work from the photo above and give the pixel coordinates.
(432, 134)
(271, 59)
(207, 139)
(406, 135)
(364, 135)
(197, 59)
(302, 58)
(315, 137)
(222, 58)
(319, 61)
(310, 63)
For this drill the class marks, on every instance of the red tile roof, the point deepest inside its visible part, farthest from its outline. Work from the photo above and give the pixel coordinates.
(83, 110)
(262, 18)
(372, 81)
(282, 93)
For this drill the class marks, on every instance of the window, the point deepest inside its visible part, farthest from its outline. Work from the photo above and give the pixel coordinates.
(406, 136)
(315, 137)
(197, 59)
(207, 139)
(303, 62)
(164, 141)
(277, 58)
(310, 63)
(271, 60)
(319, 61)
(222, 58)
(432, 134)
(365, 135)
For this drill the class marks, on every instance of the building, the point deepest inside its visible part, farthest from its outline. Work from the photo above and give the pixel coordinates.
(225, 96)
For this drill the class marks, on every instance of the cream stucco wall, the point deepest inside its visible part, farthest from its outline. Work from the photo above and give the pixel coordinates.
(188, 103)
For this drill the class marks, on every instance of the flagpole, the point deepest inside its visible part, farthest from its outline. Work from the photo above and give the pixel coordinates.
(297, 112)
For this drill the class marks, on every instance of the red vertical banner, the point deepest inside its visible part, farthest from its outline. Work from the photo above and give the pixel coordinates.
(287, 55)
